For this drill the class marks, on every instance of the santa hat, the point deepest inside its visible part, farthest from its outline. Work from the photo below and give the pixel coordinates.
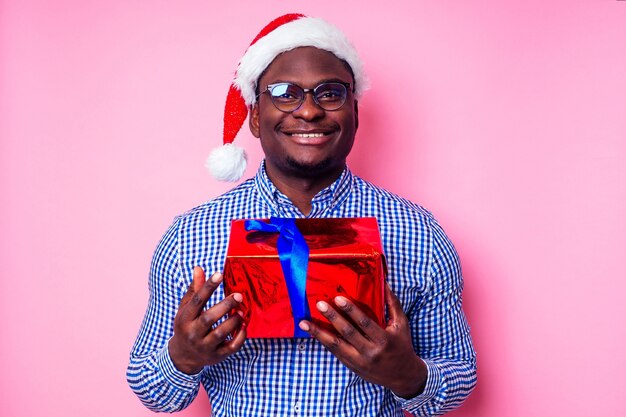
(228, 162)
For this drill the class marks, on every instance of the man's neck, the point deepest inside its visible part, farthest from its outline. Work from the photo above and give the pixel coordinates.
(301, 190)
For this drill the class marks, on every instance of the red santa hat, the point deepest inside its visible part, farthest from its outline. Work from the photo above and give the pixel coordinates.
(228, 162)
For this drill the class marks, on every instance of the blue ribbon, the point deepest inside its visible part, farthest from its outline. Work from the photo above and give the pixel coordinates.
(293, 253)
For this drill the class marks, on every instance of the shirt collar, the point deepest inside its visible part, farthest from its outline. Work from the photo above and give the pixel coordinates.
(321, 205)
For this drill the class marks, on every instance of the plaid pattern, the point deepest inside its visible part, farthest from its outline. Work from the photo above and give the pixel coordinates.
(299, 377)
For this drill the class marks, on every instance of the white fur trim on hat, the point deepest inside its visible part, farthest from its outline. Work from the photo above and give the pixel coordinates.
(306, 31)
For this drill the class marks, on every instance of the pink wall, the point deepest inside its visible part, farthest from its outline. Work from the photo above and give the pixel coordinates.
(506, 119)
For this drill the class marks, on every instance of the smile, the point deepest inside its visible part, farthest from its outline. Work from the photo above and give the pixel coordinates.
(311, 138)
(308, 135)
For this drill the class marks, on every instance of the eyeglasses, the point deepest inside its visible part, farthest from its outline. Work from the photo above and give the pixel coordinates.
(288, 97)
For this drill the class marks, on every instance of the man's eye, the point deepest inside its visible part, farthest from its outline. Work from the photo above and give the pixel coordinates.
(330, 95)
(285, 93)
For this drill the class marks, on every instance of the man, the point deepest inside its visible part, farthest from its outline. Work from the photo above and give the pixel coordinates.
(301, 79)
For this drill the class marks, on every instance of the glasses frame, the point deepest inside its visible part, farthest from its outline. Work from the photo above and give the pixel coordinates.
(269, 87)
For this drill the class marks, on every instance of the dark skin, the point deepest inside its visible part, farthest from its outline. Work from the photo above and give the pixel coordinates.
(383, 356)
(305, 151)
(194, 343)
(300, 167)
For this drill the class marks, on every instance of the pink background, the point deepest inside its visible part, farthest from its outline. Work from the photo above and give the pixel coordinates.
(507, 119)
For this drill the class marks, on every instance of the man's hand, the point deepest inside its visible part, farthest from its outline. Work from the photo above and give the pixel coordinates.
(381, 356)
(195, 344)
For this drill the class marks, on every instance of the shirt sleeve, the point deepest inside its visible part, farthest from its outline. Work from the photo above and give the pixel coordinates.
(443, 335)
(151, 373)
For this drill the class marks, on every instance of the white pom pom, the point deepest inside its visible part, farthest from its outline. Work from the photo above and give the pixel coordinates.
(227, 163)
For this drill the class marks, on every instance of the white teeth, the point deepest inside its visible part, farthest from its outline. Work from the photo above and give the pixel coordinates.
(308, 135)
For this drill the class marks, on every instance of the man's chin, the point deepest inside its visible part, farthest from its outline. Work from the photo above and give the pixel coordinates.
(309, 169)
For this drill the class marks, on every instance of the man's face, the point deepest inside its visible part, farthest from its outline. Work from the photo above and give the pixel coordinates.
(310, 142)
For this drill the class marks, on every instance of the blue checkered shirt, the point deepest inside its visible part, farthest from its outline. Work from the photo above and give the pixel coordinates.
(299, 377)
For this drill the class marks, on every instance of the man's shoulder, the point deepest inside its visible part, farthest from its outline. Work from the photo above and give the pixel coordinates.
(224, 206)
(395, 213)
(392, 203)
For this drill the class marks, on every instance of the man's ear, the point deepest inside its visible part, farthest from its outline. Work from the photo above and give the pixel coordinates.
(253, 120)
(356, 115)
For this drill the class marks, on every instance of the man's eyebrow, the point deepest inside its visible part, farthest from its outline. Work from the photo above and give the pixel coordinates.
(318, 82)
(334, 80)
(280, 80)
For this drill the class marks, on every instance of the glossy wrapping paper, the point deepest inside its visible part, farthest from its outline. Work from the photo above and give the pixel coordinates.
(345, 258)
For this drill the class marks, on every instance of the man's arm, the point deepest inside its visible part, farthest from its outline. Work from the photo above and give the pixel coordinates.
(383, 356)
(430, 374)
(176, 334)
(443, 336)
(151, 373)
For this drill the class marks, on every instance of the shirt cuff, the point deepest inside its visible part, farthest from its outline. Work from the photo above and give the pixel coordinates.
(433, 382)
(175, 377)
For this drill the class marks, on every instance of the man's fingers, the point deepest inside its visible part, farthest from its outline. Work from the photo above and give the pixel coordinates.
(347, 330)
(208, 318)
(195, 339)
(233, 345)
(219, 334)
(338, 346)
(196, 283)
(394, 308)
(365, 324)
(200, 297)
(199, 278)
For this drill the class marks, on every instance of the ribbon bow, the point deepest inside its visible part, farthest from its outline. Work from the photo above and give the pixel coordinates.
(293, 253)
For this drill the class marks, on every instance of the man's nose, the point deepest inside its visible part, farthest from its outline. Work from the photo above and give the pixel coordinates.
(309, 109)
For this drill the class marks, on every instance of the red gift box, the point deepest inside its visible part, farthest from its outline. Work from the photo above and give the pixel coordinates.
(345, 258)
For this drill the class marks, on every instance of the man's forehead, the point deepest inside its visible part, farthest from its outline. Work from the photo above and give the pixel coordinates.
(305, 61)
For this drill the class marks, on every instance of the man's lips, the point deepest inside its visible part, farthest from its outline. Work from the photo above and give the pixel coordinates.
(309, 137)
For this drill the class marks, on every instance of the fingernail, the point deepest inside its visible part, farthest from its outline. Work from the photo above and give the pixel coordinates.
(322, 306)
(304, 326)
(240, 313)
(341, 301)
(216, 278)
(238, 297)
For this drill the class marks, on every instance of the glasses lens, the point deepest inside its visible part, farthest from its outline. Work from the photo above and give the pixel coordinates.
(286, 97)
(331, 96)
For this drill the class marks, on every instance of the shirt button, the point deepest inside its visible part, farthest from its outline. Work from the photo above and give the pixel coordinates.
(301, 347)
(296, 407)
